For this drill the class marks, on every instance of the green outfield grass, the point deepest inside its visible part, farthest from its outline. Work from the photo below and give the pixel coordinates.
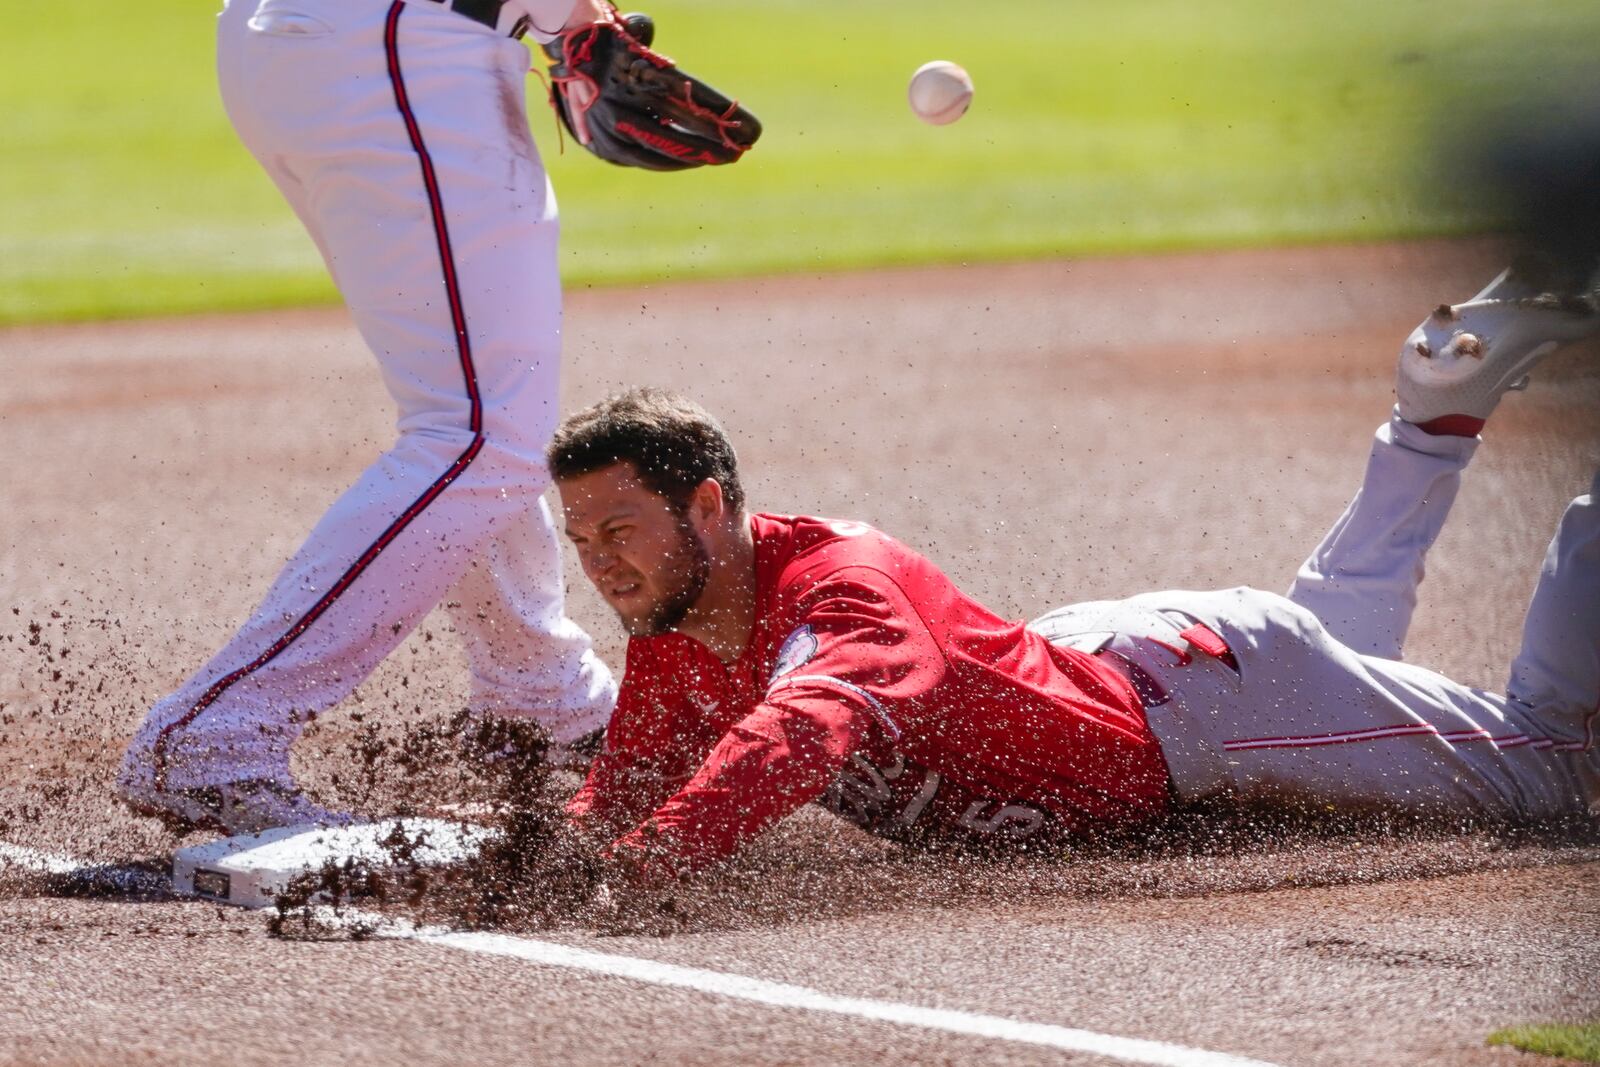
(1579, 1042)
(1149, 124)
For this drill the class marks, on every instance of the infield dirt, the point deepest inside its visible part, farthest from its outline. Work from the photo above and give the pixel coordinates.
(1048, 432)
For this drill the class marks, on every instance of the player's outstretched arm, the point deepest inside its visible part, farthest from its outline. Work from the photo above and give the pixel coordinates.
(858, 647)
(770, 764)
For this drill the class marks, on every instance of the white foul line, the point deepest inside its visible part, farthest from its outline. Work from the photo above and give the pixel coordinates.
(33, 860)
(740, 987)
(777, 994)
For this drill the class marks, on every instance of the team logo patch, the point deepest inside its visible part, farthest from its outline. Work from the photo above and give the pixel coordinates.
(797, 650)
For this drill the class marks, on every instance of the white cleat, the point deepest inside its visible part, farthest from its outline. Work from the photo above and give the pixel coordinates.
(247, 806)
(1464, 357)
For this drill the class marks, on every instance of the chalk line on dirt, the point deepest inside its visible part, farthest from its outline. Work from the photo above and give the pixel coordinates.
(782, 995)
(29, 859)
(732, 986)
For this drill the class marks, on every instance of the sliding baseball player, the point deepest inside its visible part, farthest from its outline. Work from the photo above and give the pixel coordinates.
(776, 661)
(397, 130)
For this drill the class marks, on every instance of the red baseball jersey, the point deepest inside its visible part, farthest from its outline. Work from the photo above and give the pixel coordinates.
(874, 685)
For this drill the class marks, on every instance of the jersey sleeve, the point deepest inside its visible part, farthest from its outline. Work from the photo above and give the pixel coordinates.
(856, 651)
(653, 743)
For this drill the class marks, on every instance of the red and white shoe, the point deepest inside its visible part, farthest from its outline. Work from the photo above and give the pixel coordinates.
(1465, 357)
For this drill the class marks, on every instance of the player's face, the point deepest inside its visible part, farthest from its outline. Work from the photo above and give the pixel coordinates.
(640, 552)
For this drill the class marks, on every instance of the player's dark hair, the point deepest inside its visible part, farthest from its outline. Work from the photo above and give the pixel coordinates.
(673, 443)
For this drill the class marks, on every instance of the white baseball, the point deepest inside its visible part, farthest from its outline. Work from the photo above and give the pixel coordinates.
(940, 92)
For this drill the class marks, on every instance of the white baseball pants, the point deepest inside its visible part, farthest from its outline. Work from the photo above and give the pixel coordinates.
(398, 133)
(1310, 702)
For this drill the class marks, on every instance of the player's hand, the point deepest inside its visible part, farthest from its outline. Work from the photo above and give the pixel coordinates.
(632, 106)
(632, 894)
(586, 11)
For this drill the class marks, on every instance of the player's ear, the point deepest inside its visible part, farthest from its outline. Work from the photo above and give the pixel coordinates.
(707, 505)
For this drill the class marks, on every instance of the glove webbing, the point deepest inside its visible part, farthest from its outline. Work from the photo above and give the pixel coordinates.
(723, 121)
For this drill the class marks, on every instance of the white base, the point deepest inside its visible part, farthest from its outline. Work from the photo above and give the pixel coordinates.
(252, 869)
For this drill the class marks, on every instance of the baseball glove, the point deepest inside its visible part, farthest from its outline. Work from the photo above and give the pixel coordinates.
(632, 106)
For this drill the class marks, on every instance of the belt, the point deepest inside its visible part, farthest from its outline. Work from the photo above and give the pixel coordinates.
(488, 13)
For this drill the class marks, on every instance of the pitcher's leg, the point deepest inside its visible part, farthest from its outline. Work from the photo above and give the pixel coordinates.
(1361, 581)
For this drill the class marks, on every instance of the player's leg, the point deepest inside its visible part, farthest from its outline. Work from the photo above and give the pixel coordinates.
(1361, 581)
(438, 225)
(1287, 714)
(1556, 676)
(527, 659)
